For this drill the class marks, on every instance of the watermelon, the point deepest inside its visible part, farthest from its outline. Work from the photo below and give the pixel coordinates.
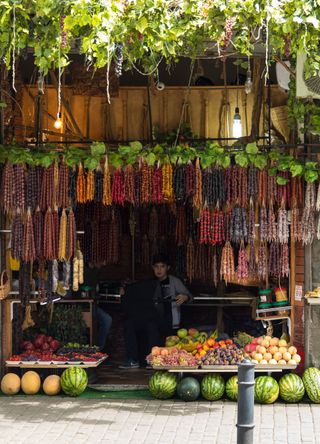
(188, 389)
(74, 381)
(311, 380)
(162, 385)
(266, 390)
(212, 387)
(291, 388)
(232, 388)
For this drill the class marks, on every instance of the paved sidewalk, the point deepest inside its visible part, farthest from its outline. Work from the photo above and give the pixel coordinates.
(60, 420)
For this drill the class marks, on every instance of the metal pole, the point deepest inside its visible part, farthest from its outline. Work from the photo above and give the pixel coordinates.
(245, 422)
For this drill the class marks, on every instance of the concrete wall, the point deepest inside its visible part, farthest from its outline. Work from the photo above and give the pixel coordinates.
(312, 312)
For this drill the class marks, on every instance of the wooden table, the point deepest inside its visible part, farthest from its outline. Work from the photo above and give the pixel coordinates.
(262, 368)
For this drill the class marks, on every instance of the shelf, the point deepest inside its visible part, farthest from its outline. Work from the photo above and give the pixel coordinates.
(313, 301)
(272, 318)
(270, 310)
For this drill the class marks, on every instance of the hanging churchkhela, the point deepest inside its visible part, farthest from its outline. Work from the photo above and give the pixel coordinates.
(242, 269)
(47, 188)
(19, 180)
(98, 184)
(227, 263)
(262, 262)
(17, 237)
(197, 197)
(217, 234)
(157, 185)
(49, 236)
(190, 180)
(146, 183)
(62, 256)
(190, 260)
(118, 188)
(81, 185)
(272, 227)
(283, 230)
(90, 186)
(205, 227)
(8, 188)
(28, 248)
(129, 184)
(179, 183)
(107, 195)
(308, 217)
(63, 186)
(71, 240)
(274, 260)
(167, 185)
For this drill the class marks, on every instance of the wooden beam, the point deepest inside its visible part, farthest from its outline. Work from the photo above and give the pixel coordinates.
(257, 90)
(66, 106)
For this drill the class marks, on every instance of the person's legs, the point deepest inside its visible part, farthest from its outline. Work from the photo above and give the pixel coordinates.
(131, 344)
(104, 325)
(153, 334)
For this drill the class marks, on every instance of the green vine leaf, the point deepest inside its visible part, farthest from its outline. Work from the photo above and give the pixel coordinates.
(252, 148)
(281, 180)
(241, 159)
(91, 163)
(260, 161)
(98, 149)
(311, 175)
(296, 170)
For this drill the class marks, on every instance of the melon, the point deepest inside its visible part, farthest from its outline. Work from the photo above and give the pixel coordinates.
(188, 389)
(52, 385)
(30, 383)
(232, 388)
(162, 385)
(266, 390)
(212, 387)
(291, 388)
(311, 381)
(74, 381)
(10, 384)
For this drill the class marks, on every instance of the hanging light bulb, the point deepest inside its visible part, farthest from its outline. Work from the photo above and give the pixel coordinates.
(248, 82)
(236, 126)
(58, 123)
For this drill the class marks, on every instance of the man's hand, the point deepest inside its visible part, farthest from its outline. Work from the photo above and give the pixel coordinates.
(181, 298)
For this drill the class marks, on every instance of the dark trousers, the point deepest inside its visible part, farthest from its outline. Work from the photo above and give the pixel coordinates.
(133, 329)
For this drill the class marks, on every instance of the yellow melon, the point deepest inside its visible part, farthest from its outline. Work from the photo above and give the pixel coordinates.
(296, 358)
(283, 343)
(277, 356)
(258, 357)
(265, 343)
(52, 385)
(292, 362)
(10, 384)
(261, 349)
(263, 361)
(283, 349)
(273, 362)
(268, 338)
(267, 356)
(282, 362)
(30, 383)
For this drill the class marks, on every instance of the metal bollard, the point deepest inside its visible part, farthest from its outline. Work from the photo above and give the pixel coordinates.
(245, 422)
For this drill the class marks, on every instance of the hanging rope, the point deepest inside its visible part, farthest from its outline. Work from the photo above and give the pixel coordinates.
(185, 102)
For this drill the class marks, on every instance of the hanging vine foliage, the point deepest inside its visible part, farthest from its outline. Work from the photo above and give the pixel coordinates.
(277, 163)
(146, 31)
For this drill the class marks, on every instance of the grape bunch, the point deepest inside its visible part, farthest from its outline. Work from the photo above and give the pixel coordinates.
(177, 358)
(118, 59)
(231, 355)
(228, 31)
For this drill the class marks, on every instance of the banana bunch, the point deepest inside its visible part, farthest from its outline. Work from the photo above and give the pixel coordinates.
(313, 294)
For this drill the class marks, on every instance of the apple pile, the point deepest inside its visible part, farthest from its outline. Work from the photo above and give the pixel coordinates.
(272, 350)
(41, 343)
(171, 357)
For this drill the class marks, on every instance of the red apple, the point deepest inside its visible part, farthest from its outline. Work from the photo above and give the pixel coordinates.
(55, 344)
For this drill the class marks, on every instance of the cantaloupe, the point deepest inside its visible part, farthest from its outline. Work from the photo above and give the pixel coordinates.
(52, 385)
(10, 384)
(30, 383)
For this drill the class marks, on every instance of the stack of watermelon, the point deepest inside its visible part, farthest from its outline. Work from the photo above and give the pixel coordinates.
(291, 387)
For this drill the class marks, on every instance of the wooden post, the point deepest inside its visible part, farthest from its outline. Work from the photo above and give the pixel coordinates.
(257, 90)
(292, 282)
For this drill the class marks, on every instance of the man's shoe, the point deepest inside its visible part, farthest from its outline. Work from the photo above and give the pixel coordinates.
(130, 364)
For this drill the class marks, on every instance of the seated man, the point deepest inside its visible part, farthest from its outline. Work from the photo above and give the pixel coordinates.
(153, 307)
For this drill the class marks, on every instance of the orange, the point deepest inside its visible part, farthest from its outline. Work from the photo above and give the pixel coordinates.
(205, 347)
(203, 353)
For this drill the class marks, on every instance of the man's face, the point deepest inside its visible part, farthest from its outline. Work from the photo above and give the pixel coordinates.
(160, 270)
